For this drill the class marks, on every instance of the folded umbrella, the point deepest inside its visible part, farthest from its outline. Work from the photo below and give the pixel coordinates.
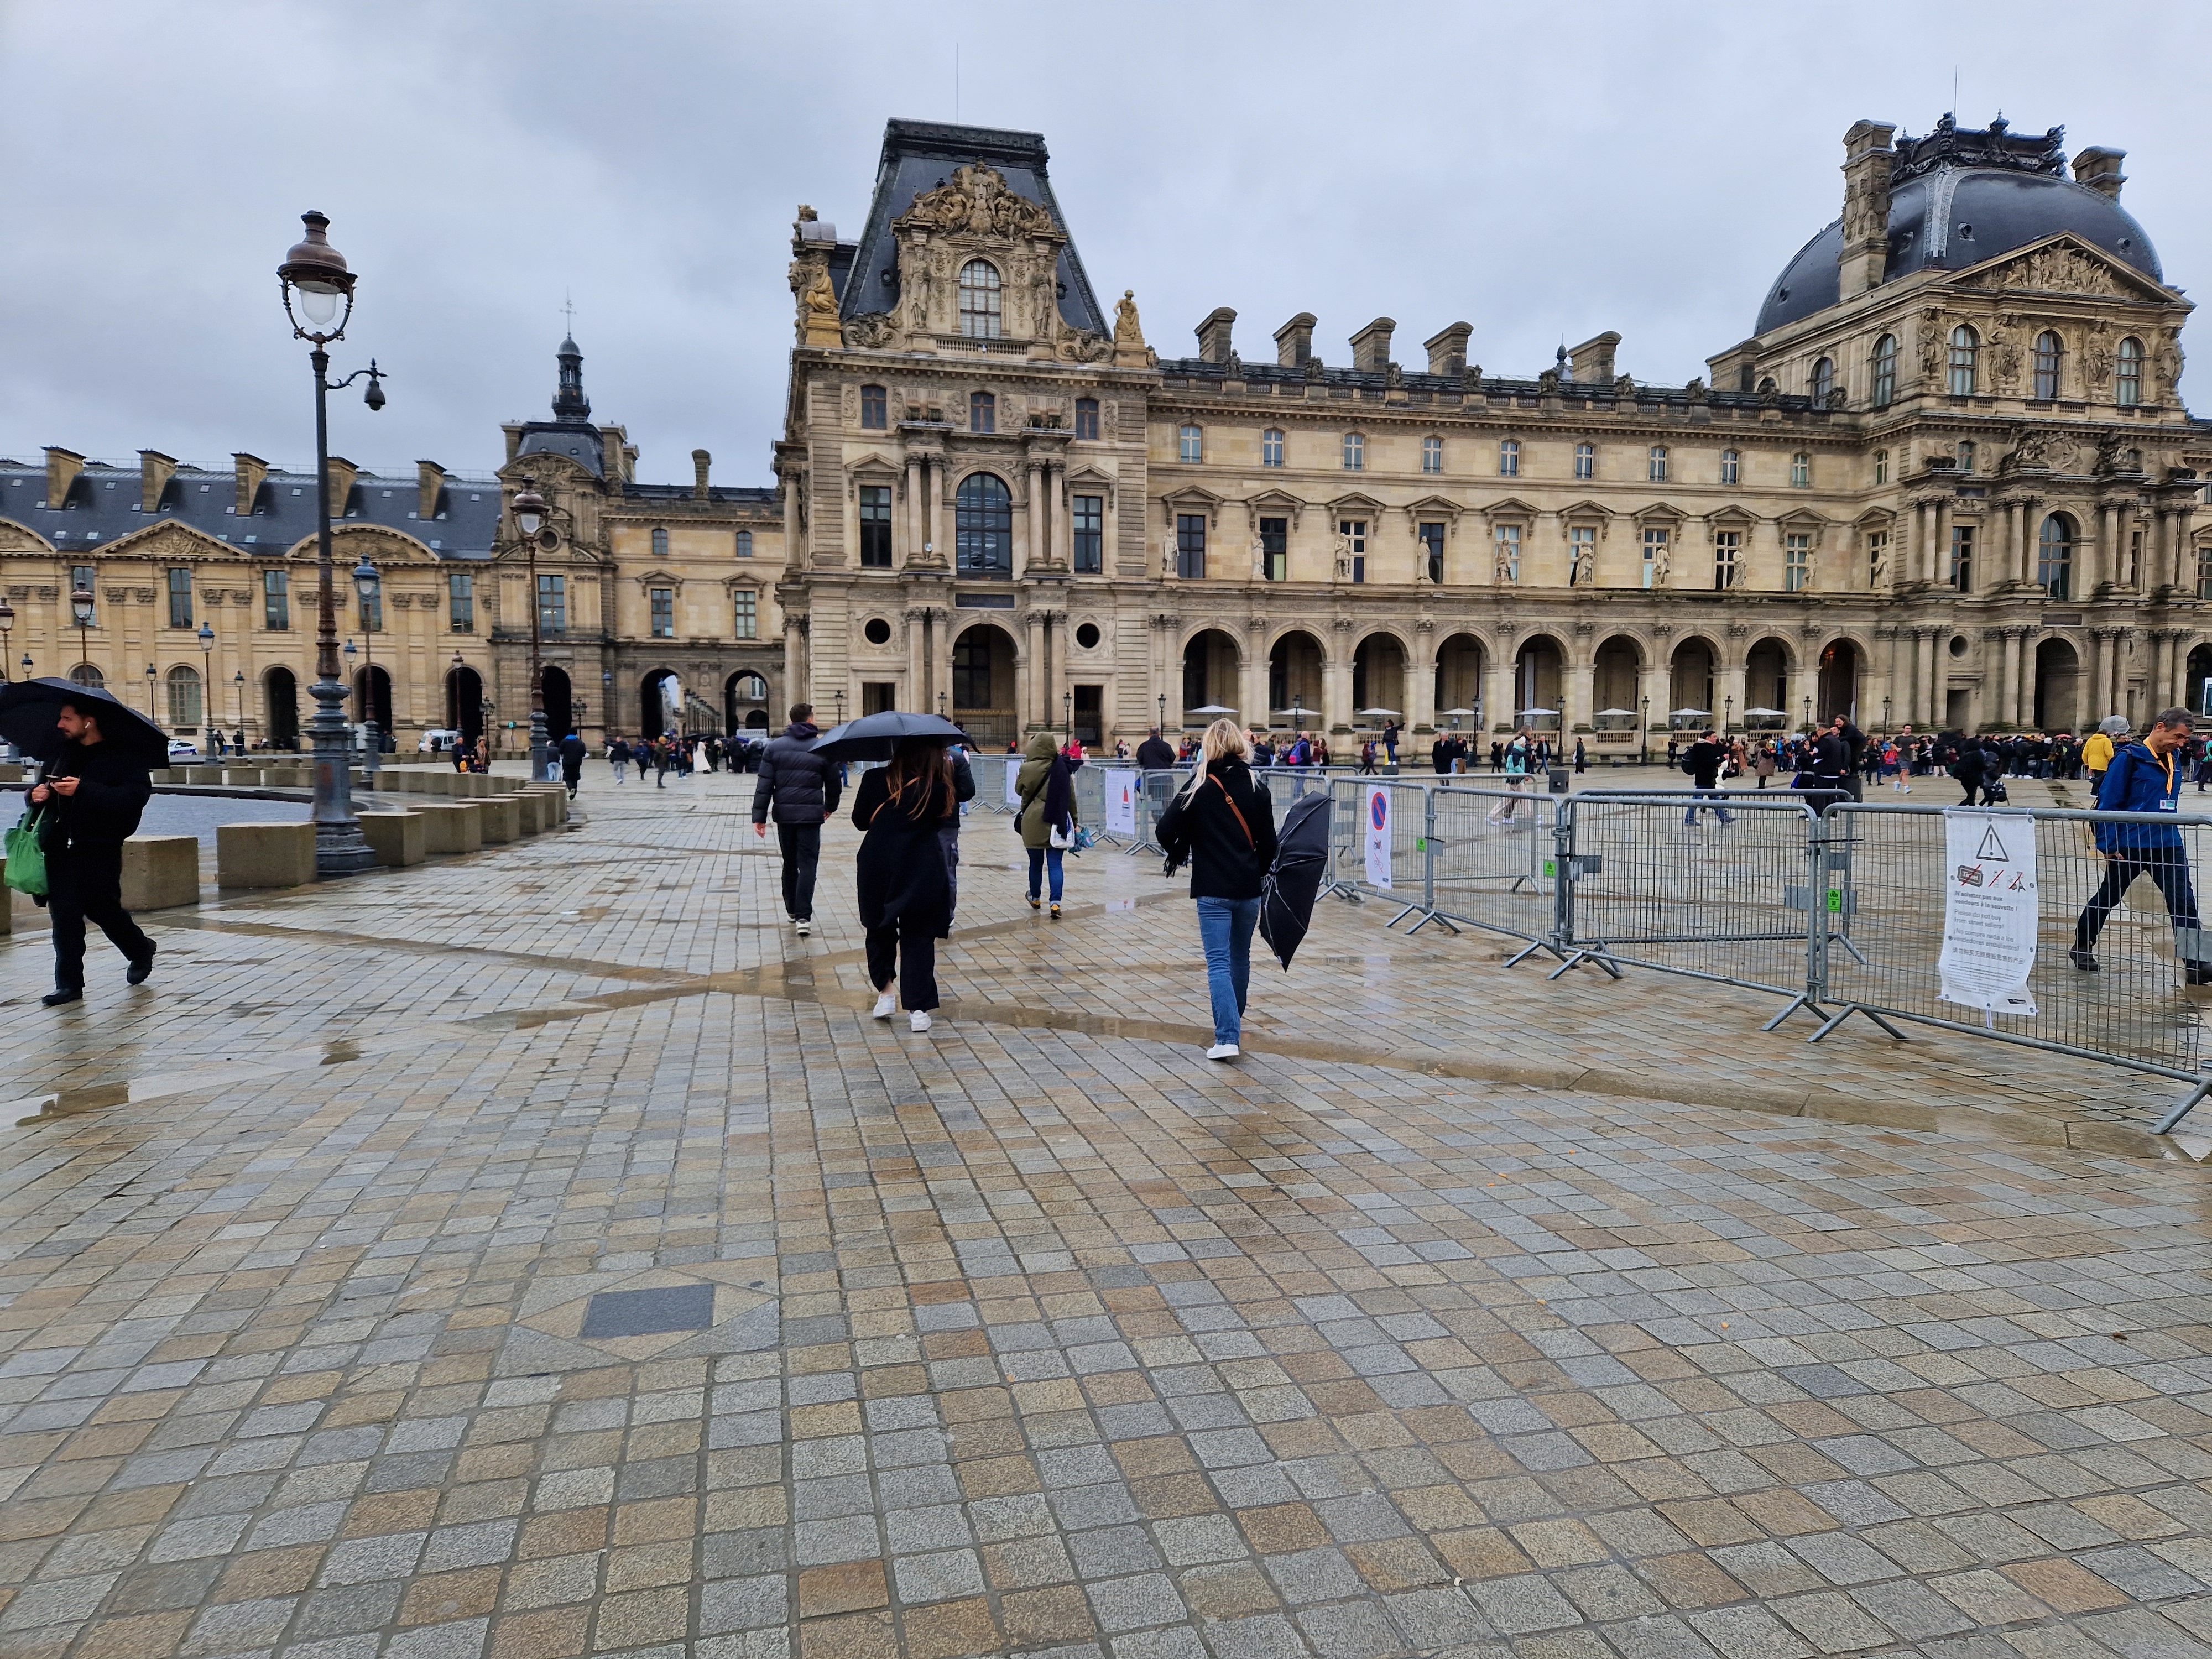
(1292, 884)
(28, 709)
(873, 736)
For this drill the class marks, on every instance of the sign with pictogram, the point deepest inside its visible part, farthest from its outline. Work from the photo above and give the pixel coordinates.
(1989, 910)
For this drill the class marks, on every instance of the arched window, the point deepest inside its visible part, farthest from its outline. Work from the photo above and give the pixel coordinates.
(2049, 355)
(2127, 374)
(982, 412)
(1355, 451)
(983, 526)
(1086, 419)
(1965, 358)
(1509, 458)
(1731, 467)
(1885, 371)
(184, 696)
(1585, 460)
(979, 300)
(875, 408)
(1191, 445)
(1432, 454)
(751, 687)
(1801, 471)
(1271, 447)
(1824, 381)
(85, 674)
(1658, 463)
(2054, 561)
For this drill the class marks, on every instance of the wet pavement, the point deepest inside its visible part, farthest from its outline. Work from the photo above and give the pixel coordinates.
(542, 1253)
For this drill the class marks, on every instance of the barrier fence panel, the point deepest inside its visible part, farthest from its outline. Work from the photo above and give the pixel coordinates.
(1889, 873)
(1719, 889)
(1157, 789)
(1492, 852)
(992, 772)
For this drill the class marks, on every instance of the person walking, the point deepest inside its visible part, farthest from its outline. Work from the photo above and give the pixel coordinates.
(1390, 741)
(1701, 761)
(571, 762)
(801, 786)
(1581, 756)
(948, 833)
(1971, 769)
(2097, 753)
(1764, 763)
(1222, 824)
(904, 904)
(89, 797)
(2144, 777)
(1045, 786)
(618, 759)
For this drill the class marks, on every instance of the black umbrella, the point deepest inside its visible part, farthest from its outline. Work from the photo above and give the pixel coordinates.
(28, 708)
(873, 736)
(1286, 896)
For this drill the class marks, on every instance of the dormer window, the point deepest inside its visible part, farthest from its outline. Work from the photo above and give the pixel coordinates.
(979, 300)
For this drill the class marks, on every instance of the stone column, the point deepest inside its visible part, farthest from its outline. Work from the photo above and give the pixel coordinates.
(917, 664)
(1907, 677)
(2161, 685)
(1655, 683)
(797, 671)
(1497, 698)
(2009, 677)
(1253, 694)
(1032, 692)
(1729, 688)
(916, 517)
(1421, 683)
(1579, 684)
(1063, 516)
(1024, 517)
(1940, 551)
(1336, 677)
(948, 523)
(2099, 678)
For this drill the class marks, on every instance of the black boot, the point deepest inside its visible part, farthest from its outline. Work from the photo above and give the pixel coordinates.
(2081, 957)
(62, 994)
(141, 967)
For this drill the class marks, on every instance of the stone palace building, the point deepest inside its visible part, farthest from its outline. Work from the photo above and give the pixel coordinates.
(1947, 480)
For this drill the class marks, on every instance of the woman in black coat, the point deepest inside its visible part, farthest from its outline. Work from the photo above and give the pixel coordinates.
(1224, 824)
(906, 898)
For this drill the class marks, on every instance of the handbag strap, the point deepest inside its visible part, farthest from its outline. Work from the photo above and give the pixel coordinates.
(1249, 840)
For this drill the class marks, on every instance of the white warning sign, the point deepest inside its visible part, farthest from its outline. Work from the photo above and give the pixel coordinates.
(1989, 910)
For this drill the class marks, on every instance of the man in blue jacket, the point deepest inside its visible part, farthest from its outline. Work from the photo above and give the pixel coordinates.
(2145, 777)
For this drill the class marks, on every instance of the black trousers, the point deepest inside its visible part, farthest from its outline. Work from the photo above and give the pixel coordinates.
(908, 947)
(802, 852)
(84, 884)
(2167, 866)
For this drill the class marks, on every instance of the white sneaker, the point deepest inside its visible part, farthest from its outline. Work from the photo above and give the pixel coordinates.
(804, 928)
(886, 1005)
(918, 1021)
(1223, 1051)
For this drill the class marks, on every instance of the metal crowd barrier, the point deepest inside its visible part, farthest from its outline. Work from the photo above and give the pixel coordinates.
(1491, 856)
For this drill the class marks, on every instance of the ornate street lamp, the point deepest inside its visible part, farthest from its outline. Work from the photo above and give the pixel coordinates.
(1067, 714)
(529, 516)
(207, 680)
(238, 706)
(7, 625)
(1643, 731)
(151, 713)
(80, 608)
(368, 584)
(317, 292)
(840, 694)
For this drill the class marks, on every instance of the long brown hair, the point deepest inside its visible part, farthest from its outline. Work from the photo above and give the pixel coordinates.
(921, 765)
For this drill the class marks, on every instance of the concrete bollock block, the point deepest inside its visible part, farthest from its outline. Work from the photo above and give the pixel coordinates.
(451, 826)
(397, 838)
(476, 786)
(501, 820)
(11, 772)
(245, 776)
(436, 783)
(555, 796)
(265, 855)
(161, 872)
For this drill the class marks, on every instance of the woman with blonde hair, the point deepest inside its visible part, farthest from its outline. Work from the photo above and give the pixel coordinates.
(1224, 823)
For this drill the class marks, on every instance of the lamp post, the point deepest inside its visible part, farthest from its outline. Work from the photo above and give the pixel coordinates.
(314, 279)
(7, 625)
(238, 707)
(80, 608)
(840, 694)
(529, 515)
(1164, 713)
(1808, 713)
(1728, 715)
(1643, 731)
(368, 584)
(207, 679)
(151, 713)
(1067, 714)
(1885, 716)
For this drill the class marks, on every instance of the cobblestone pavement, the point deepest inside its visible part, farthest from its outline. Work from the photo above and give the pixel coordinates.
(541, 1253)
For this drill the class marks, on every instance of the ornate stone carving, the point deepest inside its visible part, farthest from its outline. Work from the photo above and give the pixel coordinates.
(1084, 346)
(1130, 350)
(2058, 269)
(877, 329)
(1929, 339)
(2029, 452)
(977, 200)
(2004, 355)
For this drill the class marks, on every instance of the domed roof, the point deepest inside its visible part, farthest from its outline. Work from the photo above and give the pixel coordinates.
(1957, 199)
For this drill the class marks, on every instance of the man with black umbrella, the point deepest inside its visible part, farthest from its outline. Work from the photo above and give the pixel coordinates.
(92, 794)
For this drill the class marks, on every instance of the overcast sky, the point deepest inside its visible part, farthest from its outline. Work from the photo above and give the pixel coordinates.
(1542, 173)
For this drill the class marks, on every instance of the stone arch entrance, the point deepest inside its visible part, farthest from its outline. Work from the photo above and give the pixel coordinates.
(744, 701)
(1691, 684)
(280, 694)
(1539, 683)
(465, 703)
(560, 702)
(1294, 680)
(1379, 680)
(658, 704)
(2197, 681)
(1210, 665)
(1837, 690)
(2058, 687)
(983, 691)
(1766, 686)
(1459, 684)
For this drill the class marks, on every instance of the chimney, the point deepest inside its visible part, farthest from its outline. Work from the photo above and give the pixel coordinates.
(155, 471)
(2099, 169)
(62, 467)
(1592, 361)
(342, 473)
(701, 460)
(1294, 341)
(1371, 347)
(1868, 159)
(1448, 350)
(429, 485)
(249, 471)
(611, 453)
(1213, 335)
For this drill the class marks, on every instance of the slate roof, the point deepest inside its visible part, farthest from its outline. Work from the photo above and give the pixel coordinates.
(767, 498)
(1369, 384)
(920, 155)
(103, 508)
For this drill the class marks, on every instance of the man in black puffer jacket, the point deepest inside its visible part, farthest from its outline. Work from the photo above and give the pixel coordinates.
(802, 786)
(92, 795)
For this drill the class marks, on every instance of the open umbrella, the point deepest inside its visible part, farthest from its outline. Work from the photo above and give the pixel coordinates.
(1540, 711)
(28, 709)
(1292, 882)
(1784, 712)
(1298, 711)
(1380, 714)
(1616, 711)
(873, 736)
(1212, 710)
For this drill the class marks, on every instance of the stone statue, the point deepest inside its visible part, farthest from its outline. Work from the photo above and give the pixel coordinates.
(1342, 550)
(818, 312)
(1579, 573)
(1129, 348)
(1662, 563)
(2030, 453)
(979, 202)
(1879, 561)
(1930, 341)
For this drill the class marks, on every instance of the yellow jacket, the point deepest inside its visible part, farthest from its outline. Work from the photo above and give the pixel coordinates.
(2097, 753)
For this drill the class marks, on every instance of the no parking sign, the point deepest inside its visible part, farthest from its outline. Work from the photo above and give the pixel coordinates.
(1378, 836)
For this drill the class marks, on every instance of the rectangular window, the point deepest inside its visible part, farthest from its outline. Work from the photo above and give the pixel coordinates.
(1355, 451)
(1962, 557)
(180, 599)
(1086, 418)
(276, 600)
(1432, 454)
(1880, 467)
(1728, 549)
(1432, 543)
(460, 603)
(1797, 563)
(1656, 546)
(1731, 467)
(982, 411)
(1090, 518)
(552, 604)
(875, 408)
(1193, 445)
(1190, 545)
(1877, 556)
(1585, 461)
(1271, 447)
(1509, 555)
(1801, 471)
(1658, 463)
(875, 527)
(746, 624)
(2135, 558)
(1354, 532)
(1275, 549)
(744, 544)
(664, 612)
(1508, 459)
(2205, 570)
(1582, 555)
(660, 543)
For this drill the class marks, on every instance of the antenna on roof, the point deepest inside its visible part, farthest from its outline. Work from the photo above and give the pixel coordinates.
(956, 84)
(568, 309)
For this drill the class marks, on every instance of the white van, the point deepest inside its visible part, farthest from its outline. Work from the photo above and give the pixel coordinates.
(439, 742)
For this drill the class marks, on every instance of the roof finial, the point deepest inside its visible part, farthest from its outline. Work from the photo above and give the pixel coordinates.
(568, 311)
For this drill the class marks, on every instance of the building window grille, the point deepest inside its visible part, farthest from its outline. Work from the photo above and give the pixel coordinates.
(1731, 467)
(663, 606)
(1089, 516)
(460, 603)
(1585, 461)
(979, 300)
(1433, 544)
(1432, 454)
(1509, 458)
(1655, 544)
(1354, 531)
(1509, 554)
(745, 623)
(276, 600)
(1271, 447)
(982, 412)
(875, 527)
(1885, 371)
(1797, 562)
(2050, 358)
(1658, 463)
(660, 543)
(1801, 471)
(180, 599)
(1728, 548)
(1190, 545)
(1355, 451)
(1190, 447)
(1086, 419)
(875, 408)
(1966, 361)
(2054, 556)
(553, 604)
(1275, 549)
(2127, 374)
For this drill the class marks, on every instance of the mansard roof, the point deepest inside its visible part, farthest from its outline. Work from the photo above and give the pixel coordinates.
(1368, 385)
(766, 498)
(920, 155)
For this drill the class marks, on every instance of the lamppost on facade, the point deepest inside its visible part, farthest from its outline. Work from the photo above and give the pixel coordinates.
(152, 714)
(368, 584)
(1164, 713)
(1885, 715)
(207, 677)
(1643, 731)
(318, 293)
(1067, 714)
(1808, 713)
(80, 608)
(238, 706)
(7, 625)
(529, 515)
(940, 705)
(840, 694)
(1728, 715)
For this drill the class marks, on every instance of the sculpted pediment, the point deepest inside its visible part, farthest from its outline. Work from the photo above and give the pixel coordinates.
(978, 201)
(2065, 264)
(172, 539)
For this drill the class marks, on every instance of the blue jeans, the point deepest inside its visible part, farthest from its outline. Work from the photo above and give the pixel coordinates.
(1691, 817)
(1041, 859)
(1226, 927)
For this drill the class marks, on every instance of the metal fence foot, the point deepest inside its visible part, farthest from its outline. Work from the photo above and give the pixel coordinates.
(1576, 961)
(1843, 1014)
(1844, 941)
(1436, 916)
(2166, 1125)
(1803, 1000)
(1525, 952)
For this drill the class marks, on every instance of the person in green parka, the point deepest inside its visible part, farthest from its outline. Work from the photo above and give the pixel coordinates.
(1045, 787)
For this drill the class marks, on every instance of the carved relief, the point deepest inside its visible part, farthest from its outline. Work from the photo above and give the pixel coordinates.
(1929, 340)
(977, 200)
(2003, 354)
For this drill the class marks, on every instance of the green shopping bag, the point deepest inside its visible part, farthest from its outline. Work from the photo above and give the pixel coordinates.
(27, 860)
